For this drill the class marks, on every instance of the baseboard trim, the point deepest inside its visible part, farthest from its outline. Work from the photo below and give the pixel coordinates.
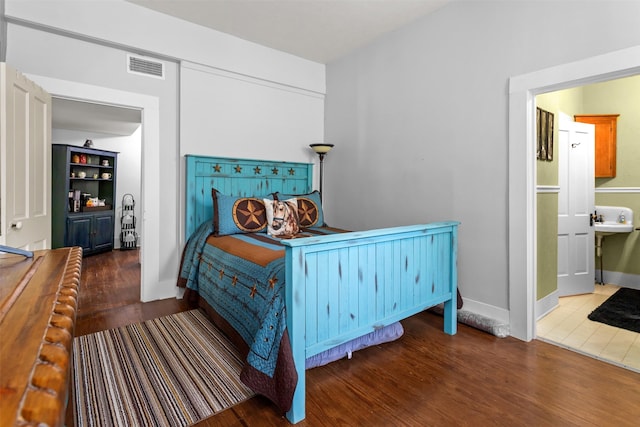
(625, 280)
(547, 304)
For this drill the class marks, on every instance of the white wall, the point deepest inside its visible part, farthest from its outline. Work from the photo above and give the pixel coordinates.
(146, 30)
(128, 178)
(78, 42)
(3, 33)
(421, 119)
(225, 114)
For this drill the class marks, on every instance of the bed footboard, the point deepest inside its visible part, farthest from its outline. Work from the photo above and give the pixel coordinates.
(346, 285)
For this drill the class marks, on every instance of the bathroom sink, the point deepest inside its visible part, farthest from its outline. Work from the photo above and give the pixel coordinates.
(615, 219)
(612, 227)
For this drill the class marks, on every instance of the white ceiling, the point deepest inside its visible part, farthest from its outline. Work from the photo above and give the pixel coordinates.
(94, 118)
(318, 30)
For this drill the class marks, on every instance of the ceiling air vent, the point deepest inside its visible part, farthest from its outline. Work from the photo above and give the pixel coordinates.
(145, 67)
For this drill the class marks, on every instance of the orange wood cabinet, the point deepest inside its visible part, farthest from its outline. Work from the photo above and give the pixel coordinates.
(38, 302)
(605, 137)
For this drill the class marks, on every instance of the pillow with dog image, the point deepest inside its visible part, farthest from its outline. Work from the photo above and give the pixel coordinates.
(282, 217)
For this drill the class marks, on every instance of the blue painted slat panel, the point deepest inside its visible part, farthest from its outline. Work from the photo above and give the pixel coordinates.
(238, 177)
(349, 298)
(367, 287)
(418, 266)
(312, 281)
(404, 287)
(393, 287)
(437, 276)
(335, 276)
(323, 294)
(385, 276)
(342, 298)
(430, 272)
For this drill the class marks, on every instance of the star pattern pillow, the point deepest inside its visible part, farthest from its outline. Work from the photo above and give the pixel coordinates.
(235, 215)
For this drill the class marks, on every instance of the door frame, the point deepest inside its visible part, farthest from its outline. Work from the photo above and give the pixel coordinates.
(522, 172)
(150, 165)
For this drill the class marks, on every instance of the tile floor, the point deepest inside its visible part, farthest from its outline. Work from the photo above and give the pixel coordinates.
(568, 326)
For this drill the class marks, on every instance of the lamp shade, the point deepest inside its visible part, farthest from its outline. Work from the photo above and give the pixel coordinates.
(321, 148)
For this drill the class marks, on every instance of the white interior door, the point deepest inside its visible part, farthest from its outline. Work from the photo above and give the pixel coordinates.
(575, 205)
(26, 162)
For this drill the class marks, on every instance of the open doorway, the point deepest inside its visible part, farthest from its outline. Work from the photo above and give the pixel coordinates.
(562, 316)
(151, 286)
(108, 127)
(115, 129)
(522, 172)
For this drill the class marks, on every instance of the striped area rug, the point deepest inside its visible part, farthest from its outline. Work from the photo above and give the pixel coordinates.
(170, 371)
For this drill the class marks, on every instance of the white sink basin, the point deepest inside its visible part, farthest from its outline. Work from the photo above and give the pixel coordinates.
(611, 220)
(613, 228)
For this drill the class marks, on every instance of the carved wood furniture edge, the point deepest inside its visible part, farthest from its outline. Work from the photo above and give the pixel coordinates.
(43, 402)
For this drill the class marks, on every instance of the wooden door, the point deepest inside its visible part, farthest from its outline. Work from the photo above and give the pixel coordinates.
(25, 169)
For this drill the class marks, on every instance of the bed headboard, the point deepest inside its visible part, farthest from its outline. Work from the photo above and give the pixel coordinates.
(238, 177)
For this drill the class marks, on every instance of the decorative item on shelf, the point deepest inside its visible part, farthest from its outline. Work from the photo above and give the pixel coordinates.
(88, 143)
(83, 158)
(95, 176)
(75, 159)
(76, 200)
(321, 149)
(82, 174)
(105, 162)
(106, 175)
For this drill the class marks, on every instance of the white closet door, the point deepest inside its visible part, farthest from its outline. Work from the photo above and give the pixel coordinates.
(575, 205)
(26, 161)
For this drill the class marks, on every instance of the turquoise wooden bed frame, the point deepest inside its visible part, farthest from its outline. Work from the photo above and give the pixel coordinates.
(340, 286)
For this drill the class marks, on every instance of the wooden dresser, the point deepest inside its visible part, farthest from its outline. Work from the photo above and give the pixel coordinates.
(38, 303)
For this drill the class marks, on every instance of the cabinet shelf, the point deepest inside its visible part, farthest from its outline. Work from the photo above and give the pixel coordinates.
(87, 165)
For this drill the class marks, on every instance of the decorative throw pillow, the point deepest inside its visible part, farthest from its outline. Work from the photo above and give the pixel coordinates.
(234, 215)
(282, 217)
(309, 208)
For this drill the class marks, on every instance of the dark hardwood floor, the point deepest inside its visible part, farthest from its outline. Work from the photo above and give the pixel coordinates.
(110, 294)
(426, 378)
